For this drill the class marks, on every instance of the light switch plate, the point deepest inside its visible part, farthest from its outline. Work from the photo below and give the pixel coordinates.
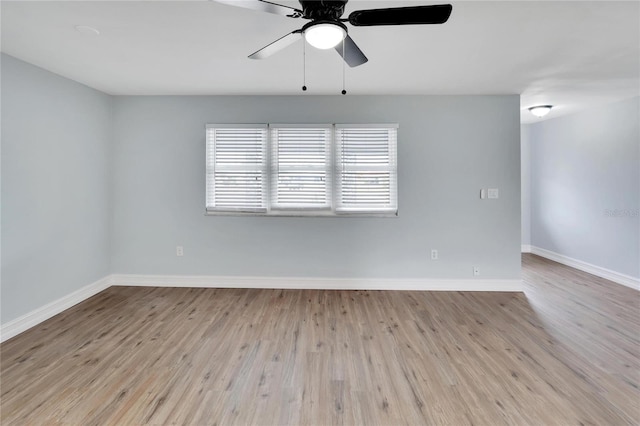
(493, 193)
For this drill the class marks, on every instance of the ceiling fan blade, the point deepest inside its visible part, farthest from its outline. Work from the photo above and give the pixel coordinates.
(264, 6)
(434, 14)
(353, 56)
(277, 45)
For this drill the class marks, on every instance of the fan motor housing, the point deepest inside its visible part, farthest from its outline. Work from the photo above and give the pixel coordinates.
(323, 10)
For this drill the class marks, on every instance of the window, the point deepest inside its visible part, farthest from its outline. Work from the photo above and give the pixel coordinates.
(294, 169)
(301, 160)
(366, 159)
(236, 168)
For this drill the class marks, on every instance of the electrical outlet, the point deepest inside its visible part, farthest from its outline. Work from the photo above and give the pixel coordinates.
(476, 271)
(179, 251)
(434, 254)
(493, 193)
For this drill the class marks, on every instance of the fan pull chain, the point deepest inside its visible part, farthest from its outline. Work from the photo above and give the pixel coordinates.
(304, 65)
(344, 91)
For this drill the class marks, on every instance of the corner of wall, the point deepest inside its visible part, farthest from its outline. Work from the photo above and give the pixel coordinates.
(525, 181)
(110, 182)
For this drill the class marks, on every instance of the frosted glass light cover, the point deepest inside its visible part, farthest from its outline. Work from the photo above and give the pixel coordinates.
(540, 111)
(324, 36)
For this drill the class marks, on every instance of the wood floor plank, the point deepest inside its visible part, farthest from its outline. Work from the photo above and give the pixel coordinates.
(566, 351)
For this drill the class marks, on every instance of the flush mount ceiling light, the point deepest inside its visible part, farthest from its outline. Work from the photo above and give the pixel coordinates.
(540, 110)
(324, 35)
(87, 30)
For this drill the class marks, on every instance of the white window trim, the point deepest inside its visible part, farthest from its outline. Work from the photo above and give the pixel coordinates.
(332, 167)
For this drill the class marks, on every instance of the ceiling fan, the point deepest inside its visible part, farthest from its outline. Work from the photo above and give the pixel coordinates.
(327, 28)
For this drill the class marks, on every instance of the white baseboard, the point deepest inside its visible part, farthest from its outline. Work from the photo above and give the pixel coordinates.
(616, 277)
(316, 283)
(525, 248)
(35, 317)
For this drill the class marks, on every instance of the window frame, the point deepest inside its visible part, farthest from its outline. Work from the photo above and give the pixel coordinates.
(333, 170)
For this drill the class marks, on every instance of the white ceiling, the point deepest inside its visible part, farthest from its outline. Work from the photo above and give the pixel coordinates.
(571, 54)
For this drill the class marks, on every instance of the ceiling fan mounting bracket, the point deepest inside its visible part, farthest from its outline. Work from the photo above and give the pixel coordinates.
(323, 10)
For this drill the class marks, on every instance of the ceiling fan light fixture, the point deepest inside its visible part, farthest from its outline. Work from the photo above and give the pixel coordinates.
(325, 35)
(540, 110)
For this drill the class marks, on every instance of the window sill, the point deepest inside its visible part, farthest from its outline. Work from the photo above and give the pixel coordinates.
(306, 214)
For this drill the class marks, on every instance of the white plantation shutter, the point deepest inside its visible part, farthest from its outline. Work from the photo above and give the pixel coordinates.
(366, 160)
(236, 167)
(301, 167)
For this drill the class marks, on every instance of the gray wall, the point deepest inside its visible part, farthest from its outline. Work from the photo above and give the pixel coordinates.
(449, 148)
(93, 185)
(56, 138)
(525, 185)
(585, 186)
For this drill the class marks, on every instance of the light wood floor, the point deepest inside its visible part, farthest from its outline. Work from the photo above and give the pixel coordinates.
(564, 353)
